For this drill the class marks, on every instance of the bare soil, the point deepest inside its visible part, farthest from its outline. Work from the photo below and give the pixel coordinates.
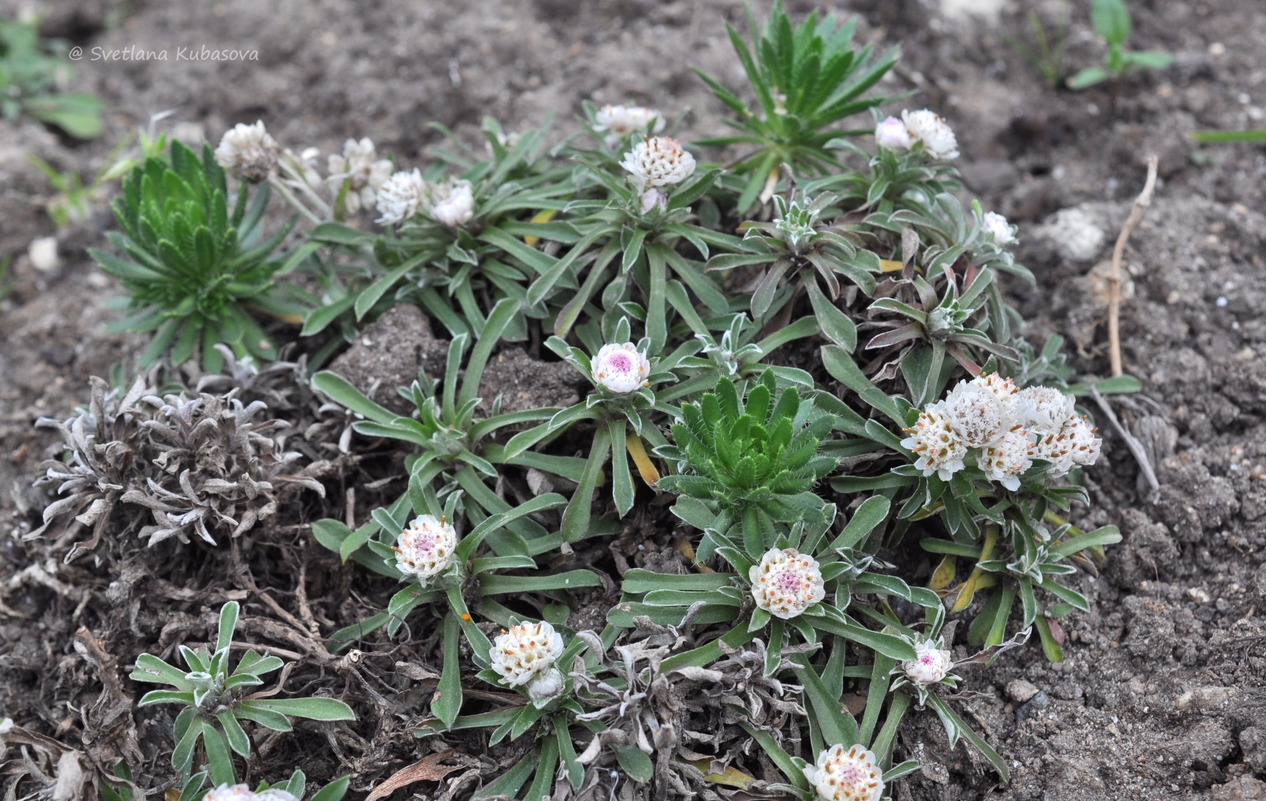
(1161, 695)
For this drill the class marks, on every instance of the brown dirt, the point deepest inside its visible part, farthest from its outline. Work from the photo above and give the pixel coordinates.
(1161, 696)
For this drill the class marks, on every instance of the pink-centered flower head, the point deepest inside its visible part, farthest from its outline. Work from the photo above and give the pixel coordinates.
(891, 134)
(933, 133)
(525, 652)
(846, 774)
(248, 151)
(930, 666)
(786, 582)
(658, 161)
(426, 548)
(621, 367)
(937, 444)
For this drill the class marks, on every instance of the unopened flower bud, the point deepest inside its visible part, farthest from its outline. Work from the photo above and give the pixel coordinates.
(891, 134)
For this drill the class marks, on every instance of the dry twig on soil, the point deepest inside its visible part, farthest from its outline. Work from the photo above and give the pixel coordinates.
(1141, 204)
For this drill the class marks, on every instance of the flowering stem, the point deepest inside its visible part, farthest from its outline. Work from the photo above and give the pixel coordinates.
(300, 180)
(294, 201)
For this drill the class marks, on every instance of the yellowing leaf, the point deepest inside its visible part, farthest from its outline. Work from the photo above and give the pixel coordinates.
(943, 576)
(730, 777)
(543, 216)
(645, 467)
(889, 266)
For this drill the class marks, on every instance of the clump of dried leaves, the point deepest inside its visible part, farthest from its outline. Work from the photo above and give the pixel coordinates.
(205, 466)
(694, 720)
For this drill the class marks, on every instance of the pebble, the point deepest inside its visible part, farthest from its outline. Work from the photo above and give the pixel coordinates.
(43, 253)
(1035, 704)
(1199, 595)
(1021, 691)
(1244, 788)
(1204, 698)
(1074, 233)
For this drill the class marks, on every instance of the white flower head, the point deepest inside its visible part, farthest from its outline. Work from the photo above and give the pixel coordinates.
(400, 197)
(658, 161)
(622, 121)
(998, 384)
(248, 151)
(361, 170)
(846, 774)
(930, 666)
(977, 415)
(786, 582)
(452, 203)
(241, 792)
(546, 686)
(927, 128)
(1005, 459)
(1063, 437)
(426, 548)
(621, 367)
(997, 227)
(1044, 410)
(891, 134)
(1083, 443)
(936, 443)
(525, 652)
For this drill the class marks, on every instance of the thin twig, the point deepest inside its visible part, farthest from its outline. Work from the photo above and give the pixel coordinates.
(1114, 278)
(1131, 442)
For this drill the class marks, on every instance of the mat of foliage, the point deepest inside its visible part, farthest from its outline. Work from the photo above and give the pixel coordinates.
(1159, 694)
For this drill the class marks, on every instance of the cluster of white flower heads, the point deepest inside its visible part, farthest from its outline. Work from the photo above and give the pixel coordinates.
(619, 122)
(922, 128)
(786, 583)
(526, 655)
(360, 169)
(851, 774)
(1007, 428)
(620, 367)
(932, 664)
(248, 151)
(426, 548)
(241, 792)
(406, 194)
